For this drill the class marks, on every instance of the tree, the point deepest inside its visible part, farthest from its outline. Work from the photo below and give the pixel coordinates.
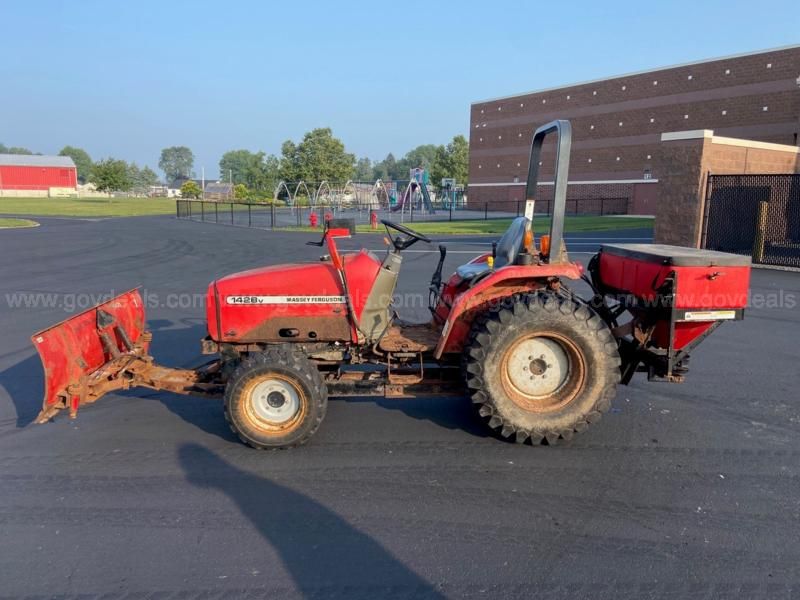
(421, 156)
(110, 175)
(386, 169)
(176, 162)
(190, 189)
(452, 161)
(319, 156)
(253, 169)
(240, 191)
(82, 160)
(363, 170)
(17, 150)
(141, 179)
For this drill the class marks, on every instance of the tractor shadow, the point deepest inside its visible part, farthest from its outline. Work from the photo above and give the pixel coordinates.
(319, 549)
(449, 412)
(23, 383)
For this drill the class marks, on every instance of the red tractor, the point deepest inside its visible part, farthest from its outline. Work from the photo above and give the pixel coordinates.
(539, 363)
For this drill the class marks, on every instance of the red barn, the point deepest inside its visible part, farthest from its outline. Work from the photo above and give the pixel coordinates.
(34, 172)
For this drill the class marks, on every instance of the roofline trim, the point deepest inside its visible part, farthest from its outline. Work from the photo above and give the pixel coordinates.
(635, 73)
(708, 134)
(594, 182)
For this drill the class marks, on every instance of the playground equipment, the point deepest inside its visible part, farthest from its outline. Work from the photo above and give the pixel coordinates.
(416, 196)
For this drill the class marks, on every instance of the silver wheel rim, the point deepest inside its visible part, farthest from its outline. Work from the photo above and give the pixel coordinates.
(538, 367)
(274, 401)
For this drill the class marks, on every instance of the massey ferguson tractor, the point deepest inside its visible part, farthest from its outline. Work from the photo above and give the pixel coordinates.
(539, 363)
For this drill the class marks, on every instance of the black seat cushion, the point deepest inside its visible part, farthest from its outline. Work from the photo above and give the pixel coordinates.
(507, 250)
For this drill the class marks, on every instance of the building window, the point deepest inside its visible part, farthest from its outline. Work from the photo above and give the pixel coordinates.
(765, 108)
(685, 117)
(724, 112)
(517, 164)
(652, 119)
(498, 165)
(519, 134)
(769, 65)
(499, 137)
(589, 160)
(618, 159)
(594, 93)
(624, 88)
(481, 111)
(544, 100)
(620, 123)
(689, 78)
(567, 96)
(499, 108)
(727, 71)
(591, 126)
(480, 166)
(655, 82)
(516, 178)
(480, 139)
(521, 104)
(648, 157)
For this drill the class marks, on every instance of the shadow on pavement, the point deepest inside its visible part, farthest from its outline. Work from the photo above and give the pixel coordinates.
(320, 550)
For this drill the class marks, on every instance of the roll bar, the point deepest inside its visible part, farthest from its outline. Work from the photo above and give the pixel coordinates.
(563, 146)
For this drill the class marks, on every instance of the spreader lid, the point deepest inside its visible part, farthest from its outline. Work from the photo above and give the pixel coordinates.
(677, 256)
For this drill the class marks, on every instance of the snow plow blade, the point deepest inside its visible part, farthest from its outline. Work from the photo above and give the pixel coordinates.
(95, 345)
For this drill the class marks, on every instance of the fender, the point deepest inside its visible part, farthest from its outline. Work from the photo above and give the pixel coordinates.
(504, 282)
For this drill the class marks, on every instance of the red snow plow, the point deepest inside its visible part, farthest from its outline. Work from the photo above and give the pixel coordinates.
(539, 362)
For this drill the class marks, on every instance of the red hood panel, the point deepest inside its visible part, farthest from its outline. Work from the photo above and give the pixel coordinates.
(240, 304)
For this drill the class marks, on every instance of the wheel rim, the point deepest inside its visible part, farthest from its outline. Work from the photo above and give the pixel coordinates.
(542, 372)
(274, 404)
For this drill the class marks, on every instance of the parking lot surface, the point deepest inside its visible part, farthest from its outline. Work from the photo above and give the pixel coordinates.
(681, 491)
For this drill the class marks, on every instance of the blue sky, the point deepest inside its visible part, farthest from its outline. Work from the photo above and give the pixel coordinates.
(127, 79)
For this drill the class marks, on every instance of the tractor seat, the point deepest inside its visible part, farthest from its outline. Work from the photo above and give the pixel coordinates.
(507, 250)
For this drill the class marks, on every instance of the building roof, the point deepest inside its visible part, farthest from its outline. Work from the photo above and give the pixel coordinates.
(219, 188)
(35, 160)
(634, 73)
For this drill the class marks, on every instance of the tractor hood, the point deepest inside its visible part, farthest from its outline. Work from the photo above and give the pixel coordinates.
(304, 301)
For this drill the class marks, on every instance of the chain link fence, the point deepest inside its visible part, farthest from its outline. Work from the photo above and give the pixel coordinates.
(756, 215)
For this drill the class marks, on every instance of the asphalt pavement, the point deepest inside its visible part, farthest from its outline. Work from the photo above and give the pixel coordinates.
(680, 491)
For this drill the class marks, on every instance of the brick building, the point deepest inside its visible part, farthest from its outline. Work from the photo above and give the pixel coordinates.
(617, 126)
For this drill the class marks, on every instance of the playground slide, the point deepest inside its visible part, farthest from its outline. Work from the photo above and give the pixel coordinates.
(426, 199)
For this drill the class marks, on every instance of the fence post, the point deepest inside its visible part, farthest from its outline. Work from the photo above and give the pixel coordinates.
(216, 212)
(485, 211)
(451, 210)
(189, 204)
(203, 211)
(272, 216)
(231, 213)
(602, 206)
(517, 207)
(249, 215)
(178, 209)
(411, 212)
(761, 231)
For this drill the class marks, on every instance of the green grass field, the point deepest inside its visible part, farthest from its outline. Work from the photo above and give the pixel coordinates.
(498, 226)
(540, 225)
(87, 207)
(14, 223)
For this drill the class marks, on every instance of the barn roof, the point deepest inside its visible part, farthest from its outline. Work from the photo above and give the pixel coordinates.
(219, 188)
(35, 160)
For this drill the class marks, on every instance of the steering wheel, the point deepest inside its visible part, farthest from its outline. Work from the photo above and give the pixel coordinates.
(398, 242)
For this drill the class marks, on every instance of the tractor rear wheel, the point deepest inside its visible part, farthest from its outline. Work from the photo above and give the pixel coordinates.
(541, 367)
(275, 399)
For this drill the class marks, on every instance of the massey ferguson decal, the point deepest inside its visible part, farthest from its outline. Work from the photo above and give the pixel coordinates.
(247, 300)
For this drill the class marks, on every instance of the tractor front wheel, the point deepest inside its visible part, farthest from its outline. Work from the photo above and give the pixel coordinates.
(541, 367)
(275, 399)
